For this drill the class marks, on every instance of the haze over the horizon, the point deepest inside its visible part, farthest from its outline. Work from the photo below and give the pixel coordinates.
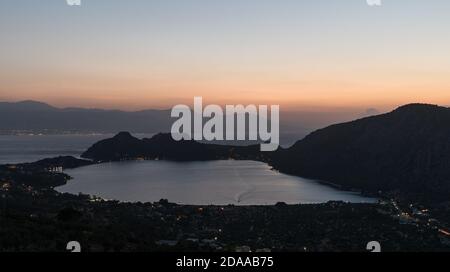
(154, 54)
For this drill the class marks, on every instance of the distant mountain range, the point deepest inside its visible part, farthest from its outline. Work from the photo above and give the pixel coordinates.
(407, 150)
(37, 117)
(40, 117)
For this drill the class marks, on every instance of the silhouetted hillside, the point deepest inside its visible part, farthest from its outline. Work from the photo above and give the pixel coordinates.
(124, 146)
(407, 150)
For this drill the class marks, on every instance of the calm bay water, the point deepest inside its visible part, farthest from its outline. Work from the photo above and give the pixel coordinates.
(215, 182)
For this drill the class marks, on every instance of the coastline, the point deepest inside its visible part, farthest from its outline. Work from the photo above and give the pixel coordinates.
(36, 207)
(340, 189)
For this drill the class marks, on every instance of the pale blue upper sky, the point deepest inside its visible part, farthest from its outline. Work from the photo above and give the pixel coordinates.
(142, 53)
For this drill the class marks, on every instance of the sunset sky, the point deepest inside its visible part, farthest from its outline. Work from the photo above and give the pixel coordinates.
(157, 53)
